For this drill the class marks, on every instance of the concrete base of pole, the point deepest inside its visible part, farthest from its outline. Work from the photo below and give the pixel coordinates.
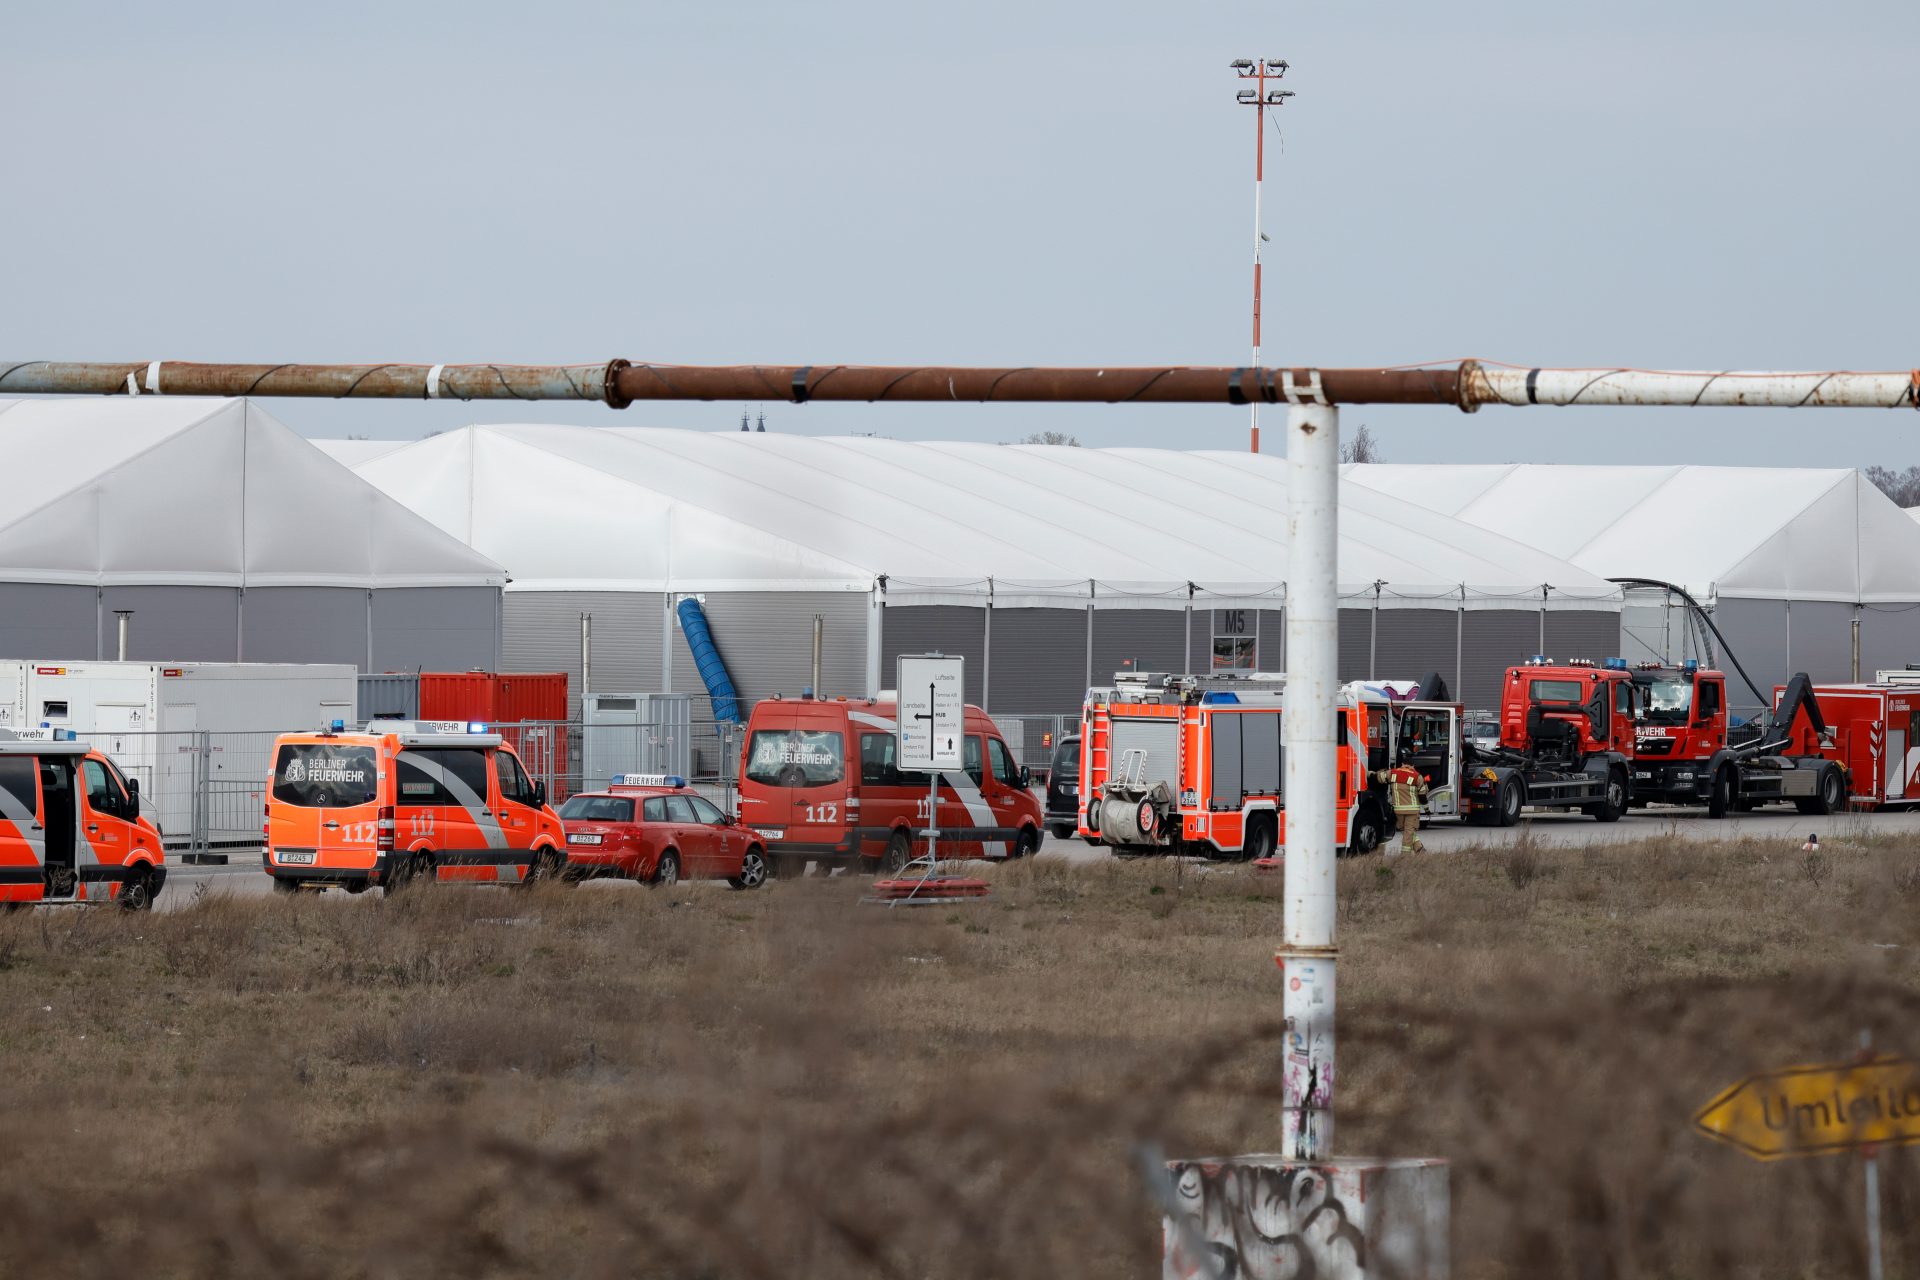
(1265, 1217)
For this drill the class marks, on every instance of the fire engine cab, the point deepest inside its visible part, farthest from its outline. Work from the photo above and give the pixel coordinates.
(1566, 742)
(1171, 763)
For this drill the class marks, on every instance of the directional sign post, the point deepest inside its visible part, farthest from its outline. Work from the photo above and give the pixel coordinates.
(931, 726)
(1824, 1110)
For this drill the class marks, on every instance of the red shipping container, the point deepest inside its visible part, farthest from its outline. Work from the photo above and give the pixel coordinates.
(503, 702)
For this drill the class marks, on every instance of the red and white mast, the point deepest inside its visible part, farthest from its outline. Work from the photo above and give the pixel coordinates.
(1259, 70)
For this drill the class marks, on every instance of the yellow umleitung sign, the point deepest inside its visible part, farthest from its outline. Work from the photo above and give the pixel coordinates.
(1818, 1110)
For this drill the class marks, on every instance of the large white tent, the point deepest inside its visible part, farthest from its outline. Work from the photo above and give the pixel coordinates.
(1061, 563)
(1795, 563)
(228, 536)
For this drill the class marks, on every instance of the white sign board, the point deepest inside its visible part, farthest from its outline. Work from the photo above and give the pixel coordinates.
(933, 712)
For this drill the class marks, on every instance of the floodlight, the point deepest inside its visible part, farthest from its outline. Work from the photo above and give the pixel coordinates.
(1241, 64)
(1246, 95)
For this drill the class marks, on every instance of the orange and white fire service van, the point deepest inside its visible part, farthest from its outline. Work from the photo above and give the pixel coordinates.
(405, 800)
(71, 829)
(1170, 763)
(818, 781)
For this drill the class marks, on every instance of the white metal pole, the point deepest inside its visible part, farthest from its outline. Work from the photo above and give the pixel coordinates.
(1307, 953)
(1259, 177)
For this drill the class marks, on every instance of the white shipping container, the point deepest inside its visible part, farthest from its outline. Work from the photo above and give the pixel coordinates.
(146, 715)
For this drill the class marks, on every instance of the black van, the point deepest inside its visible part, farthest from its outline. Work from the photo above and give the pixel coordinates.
(1063, 788)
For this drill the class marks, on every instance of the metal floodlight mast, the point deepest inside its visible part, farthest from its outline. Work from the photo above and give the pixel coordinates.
(1260, 98)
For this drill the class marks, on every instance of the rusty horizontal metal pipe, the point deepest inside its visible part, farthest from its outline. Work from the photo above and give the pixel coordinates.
(1466, 385)
(336, 381)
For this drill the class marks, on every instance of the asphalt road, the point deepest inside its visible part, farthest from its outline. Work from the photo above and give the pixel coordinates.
(242, 876)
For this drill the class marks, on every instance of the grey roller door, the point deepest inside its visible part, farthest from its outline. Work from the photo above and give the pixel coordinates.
(1493, 640)
(1226, 783)
(1413, 642)
(1273, 641)
(305, 624)
(1356, 644)
(1756, 631)
(1039, 661)
(1583, 633)
(42, 620)
(435, 628)
(541, 632)
(1822, 639)
(1889, 637)
(176, 624)
(766, 640)
(937, 628)
(1150, 638)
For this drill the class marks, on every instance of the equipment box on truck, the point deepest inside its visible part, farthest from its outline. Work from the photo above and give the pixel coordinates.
(1875, 737)
(148, 717)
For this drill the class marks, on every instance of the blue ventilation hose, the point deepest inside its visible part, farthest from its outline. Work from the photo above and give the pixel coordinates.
(713, 671)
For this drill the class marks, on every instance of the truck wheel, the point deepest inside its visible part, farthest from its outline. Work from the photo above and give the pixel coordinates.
(1027, 843)
(1614, 807)
(1509, 802)
(1721, 798)
(137, 893)
(1262, 837)
(1060, 831)
(285, 885)
(1831, 798)
(899, 853)
(1364, 836)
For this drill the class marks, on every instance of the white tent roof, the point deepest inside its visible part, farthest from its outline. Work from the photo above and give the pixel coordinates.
(352, 453)
(200, 492)
(652, 509)
(1770, 533)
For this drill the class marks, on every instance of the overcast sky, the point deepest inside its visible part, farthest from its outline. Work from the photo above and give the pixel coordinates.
(1670, 183)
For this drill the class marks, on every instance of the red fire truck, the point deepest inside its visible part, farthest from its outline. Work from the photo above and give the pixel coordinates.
(1686, 752)
(1874, 736)
(1193, 763)
(1566, 742)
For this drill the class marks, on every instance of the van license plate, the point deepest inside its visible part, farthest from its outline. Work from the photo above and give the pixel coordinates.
(771, 833)
(576, 837)
(294, 857)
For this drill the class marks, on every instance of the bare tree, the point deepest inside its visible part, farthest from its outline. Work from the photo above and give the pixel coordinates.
(1902, 486)
(1049, 437)
(1362, 448)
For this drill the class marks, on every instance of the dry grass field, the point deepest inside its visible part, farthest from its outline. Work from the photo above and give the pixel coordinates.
(691, 1083)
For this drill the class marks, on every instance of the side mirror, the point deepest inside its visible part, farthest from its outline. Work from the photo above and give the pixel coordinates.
(133, 788)
(1026, 776)
(539, 794)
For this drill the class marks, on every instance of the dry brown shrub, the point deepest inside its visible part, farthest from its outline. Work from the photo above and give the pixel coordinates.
(613, 1082)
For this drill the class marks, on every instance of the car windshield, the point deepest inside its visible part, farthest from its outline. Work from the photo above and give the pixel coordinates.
(1484, 729)
(1066, 758)
(1669, 699)
(597, 809)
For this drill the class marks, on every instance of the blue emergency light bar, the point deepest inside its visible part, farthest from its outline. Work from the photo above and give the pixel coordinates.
(1616, 664)
(1690, 666)
(338, 726)
(476, 726)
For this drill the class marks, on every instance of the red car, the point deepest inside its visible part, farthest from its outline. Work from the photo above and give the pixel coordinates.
(657, 830)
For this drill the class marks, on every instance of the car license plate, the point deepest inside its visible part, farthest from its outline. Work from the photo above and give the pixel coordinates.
(1070, 789)
(771, 833)
(294, 857)
(577, 837)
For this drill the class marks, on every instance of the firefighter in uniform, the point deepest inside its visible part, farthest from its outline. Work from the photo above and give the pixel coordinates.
(1407, 792)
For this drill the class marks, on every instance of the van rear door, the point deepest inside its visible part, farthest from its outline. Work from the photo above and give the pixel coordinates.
(797, 777)
(326, 805)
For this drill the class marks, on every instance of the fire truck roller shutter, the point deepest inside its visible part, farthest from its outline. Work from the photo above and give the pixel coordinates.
(1225, 785)
(1260, 755)
(1160, 739)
